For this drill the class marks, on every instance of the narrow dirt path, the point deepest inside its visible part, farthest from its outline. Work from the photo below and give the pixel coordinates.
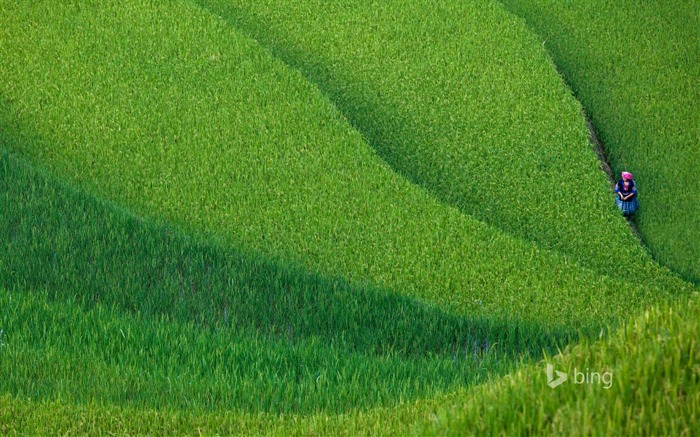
(599, 150)
(603, 157)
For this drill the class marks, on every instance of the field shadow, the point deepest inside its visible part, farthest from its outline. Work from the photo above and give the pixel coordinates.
(65, 244)
(74, 246)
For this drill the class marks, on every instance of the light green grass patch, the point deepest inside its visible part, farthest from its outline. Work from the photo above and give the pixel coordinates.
(462, 99)
(654, 362)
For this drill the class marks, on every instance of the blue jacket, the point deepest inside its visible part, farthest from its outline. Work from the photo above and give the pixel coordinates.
(620, 188)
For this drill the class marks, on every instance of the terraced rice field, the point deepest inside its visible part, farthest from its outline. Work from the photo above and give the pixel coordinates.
(637, 75)
(223, 216)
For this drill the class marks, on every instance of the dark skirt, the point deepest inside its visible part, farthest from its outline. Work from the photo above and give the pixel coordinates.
(628, 207)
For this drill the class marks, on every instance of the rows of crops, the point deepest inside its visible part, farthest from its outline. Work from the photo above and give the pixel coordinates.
(215, 215)
(634, 65)
(461, 99)
(104, 307)
(197, 308)
(660, 346)
(210, 148)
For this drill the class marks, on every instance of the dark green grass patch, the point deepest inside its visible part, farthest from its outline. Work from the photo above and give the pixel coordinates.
(105, 307)
(55, 350)
(634, 65)
(77, 248)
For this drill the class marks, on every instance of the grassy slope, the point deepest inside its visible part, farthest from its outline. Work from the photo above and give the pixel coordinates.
(655, 365)
(634, 67)
(164, 419)
(59, 351)
(104, 307)
(109, 98)
(655, 362)
(462, 99)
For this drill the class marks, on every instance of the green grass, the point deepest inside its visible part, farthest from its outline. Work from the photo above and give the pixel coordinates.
(202, 232)
(634, 67)
(105, 307)
(223, 140)
(95, 287)
(655, 364)
(58, 351)
(461, 99)
(654, 360)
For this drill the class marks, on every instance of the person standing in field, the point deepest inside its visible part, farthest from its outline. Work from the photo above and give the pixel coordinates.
(626, 192)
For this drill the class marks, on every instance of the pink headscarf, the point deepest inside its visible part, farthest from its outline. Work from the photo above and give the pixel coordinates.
(627, 175)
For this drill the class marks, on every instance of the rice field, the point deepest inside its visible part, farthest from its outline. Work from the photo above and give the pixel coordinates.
(223, 217)
(316, 195)
(105, 307)
(459, 98)
(637, 75)
(660, 345)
